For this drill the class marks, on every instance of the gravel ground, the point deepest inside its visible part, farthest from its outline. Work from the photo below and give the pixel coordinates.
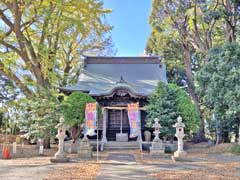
(26, 168)
(215, 163)
(26, 164)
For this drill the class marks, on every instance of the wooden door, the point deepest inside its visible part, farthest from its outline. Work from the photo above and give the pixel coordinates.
(114, 119)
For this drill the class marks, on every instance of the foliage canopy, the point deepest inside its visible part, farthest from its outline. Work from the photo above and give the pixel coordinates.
(166, 103)
(73, 107)
(218, 85)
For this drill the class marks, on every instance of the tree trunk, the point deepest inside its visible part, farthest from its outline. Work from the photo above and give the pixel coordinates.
(46, 143)
(238, 117)
(239, 135)
(75, 132)
(191, 89)
(226, 137)
(230, 21)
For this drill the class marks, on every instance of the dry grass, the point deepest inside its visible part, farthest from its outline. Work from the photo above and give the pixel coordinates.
(193, 175)
(211, 169)
(80, 171)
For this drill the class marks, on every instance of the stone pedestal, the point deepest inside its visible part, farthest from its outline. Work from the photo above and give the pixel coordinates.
(70, 147)
(85, 150)
(122, 137)
(60, 157)
(157, 148)
(178, 154)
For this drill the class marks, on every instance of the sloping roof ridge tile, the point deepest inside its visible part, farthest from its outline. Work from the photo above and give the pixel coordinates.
(122, 60)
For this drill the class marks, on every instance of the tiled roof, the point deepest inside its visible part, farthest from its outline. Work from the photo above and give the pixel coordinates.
(101, 75)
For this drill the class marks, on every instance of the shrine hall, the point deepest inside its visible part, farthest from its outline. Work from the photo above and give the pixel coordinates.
(115, 82)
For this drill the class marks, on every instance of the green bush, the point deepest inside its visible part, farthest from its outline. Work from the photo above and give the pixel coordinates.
(73, 107)
(166, 103)
(162, 105)
(235, 149)
(187, 109)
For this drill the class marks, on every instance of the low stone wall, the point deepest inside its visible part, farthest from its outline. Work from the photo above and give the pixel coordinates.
(72, 148)
(168, 145)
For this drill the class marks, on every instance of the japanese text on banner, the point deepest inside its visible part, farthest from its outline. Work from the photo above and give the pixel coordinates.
(90, 118)
(134, 119)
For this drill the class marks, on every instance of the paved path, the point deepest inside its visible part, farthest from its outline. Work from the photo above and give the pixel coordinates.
(121, 166)
(124, 166)
(123, 171)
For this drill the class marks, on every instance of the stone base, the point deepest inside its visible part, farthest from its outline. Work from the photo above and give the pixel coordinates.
(71, 147)
(85, 153)
(180, 153)
(180, 156)
(59, 160)
(85, 150)
(156, 152)
(157, 148)
(122, 137)
(60, 157)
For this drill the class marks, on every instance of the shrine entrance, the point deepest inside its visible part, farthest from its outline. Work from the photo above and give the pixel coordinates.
(117, 123)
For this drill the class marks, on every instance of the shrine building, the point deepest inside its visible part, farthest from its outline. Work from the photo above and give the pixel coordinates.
(115, 82)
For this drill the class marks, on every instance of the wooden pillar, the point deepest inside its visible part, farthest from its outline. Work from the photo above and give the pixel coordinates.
(139, 139)
(139, 135)
(121, 121)
(104, 135)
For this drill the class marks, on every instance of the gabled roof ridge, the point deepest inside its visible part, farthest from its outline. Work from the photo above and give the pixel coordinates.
(122, 57)
(122, 60)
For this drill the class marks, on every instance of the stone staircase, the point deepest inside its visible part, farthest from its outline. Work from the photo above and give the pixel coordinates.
(113, 145)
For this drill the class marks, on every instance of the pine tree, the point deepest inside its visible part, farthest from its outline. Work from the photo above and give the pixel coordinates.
(162, 105)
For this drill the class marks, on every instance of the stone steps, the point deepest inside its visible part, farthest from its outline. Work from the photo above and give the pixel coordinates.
(113, 145)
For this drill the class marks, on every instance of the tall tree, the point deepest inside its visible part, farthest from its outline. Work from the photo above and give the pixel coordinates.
(44, 40)
(42, 45)
(171, 18)
(219, 88)
(170, 52)
(196, 26)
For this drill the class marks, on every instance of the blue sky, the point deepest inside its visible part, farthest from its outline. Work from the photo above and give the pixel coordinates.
(130, 21)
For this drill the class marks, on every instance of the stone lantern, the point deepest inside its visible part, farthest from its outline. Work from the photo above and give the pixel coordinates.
(60, 155)
(179, 125)
(156, 127)
(158, 147)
